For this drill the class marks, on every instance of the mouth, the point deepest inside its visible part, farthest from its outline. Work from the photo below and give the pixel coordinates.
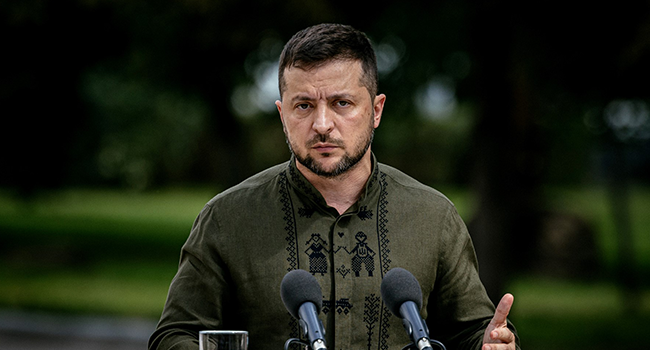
(324, 147)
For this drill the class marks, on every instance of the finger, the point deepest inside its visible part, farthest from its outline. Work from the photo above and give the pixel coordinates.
(498, 347)
(503, 309)
(503, 335)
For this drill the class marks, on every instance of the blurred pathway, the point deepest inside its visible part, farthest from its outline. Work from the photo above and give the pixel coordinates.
(36, 331)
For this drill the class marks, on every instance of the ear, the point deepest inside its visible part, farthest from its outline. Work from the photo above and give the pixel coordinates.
(278, 104)
(378, 109)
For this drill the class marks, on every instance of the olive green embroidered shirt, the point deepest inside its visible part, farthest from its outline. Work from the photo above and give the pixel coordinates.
(247, 238)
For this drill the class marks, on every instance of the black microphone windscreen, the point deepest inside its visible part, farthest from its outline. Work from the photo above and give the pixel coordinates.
(298, 287)
(399, 286)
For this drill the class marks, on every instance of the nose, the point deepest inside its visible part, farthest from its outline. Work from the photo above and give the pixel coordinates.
(323, 121)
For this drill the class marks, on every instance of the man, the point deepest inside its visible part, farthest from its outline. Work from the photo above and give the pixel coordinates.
(329, 210)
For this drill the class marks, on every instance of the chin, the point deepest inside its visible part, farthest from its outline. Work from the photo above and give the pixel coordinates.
(327, 166)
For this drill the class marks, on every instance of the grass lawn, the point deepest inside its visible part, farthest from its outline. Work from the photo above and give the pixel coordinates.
(114, 252)
(94, 251)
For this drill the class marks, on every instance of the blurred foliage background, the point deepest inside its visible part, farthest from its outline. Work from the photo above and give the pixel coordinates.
(123, 118)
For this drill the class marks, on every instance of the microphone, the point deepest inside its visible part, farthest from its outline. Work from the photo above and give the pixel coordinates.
(302, 296)
(402, 295)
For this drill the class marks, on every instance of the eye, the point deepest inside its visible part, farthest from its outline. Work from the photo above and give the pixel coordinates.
(342, 103)
(302, 106)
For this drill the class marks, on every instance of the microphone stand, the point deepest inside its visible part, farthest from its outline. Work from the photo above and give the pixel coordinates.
(408, 347)
(297, 341)
(433, 342)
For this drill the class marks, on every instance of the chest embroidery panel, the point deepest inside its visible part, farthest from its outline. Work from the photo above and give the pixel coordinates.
(368, 256)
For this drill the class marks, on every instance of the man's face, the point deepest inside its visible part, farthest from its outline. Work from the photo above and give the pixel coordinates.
(328, 116)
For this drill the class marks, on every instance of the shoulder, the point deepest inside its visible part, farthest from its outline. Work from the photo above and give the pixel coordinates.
(259, 185)
(407, 187)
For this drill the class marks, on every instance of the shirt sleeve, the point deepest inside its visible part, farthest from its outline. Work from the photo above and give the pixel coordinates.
(459, 309)
(198, 292)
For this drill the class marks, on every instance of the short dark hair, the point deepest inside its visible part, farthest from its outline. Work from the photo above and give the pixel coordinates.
(322, 43)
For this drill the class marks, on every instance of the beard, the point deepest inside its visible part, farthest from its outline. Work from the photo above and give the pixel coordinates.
(347, 162)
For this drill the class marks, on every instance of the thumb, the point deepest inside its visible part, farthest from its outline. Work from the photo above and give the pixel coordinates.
(503, 309)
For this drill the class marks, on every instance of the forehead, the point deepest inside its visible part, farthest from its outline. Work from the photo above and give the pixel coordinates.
(331, 77)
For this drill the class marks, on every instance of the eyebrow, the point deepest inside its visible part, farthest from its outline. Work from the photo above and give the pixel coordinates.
(341, 96)
(301, 98)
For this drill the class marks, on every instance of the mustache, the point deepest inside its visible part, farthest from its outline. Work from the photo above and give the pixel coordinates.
(324, 139)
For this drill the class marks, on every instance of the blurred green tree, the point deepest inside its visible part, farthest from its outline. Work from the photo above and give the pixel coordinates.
(498, 95)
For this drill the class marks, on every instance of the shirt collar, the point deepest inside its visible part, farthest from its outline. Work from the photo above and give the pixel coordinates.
(298, 181)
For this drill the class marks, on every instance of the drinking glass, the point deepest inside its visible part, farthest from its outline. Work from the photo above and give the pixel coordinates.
(223, 340)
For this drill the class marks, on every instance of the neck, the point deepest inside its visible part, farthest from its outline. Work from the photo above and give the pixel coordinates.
(342, 191)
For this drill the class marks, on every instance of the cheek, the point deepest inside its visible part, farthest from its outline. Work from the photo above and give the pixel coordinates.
(297, 125)
(292, 130)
